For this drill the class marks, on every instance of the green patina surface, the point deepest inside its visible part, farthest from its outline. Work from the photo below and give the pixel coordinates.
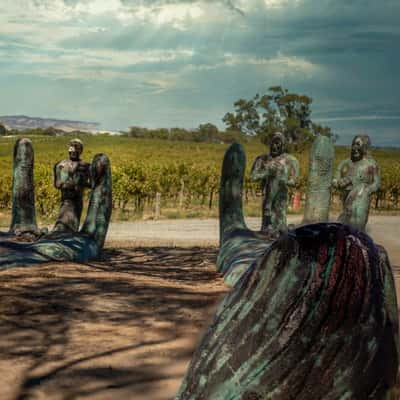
(312, 315)
(277, 171)
(320, 174)
(357, 178)
(23, 193)
(33, 246)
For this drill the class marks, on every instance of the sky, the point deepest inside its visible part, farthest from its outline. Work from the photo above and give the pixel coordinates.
(166, 63)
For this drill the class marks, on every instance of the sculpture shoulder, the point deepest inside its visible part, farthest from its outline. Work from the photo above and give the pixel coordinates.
(345, 165)
(83, 164)
(291, 158)
(261, 161)
(61, 164)
(372, 162)
(262, 158)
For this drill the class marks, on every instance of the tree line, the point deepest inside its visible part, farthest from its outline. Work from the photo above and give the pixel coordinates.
(259, 117)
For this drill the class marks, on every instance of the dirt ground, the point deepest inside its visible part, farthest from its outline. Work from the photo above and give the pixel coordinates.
(125, 326)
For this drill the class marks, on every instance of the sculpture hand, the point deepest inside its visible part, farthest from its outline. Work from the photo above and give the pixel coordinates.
(59, 246)
(294, 301)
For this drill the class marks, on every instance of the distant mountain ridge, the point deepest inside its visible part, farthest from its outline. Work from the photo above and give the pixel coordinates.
(22, 122)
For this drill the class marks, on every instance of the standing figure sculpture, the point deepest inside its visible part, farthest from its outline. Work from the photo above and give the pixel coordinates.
(357, 178)
(277, 171)
(71, 176)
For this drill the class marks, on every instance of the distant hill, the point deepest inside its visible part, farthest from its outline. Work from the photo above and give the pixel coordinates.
(22, 122)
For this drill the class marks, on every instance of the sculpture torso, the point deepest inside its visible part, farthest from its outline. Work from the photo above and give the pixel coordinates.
(359, 173)
(276, 174)
(71, 177)
(357, 180)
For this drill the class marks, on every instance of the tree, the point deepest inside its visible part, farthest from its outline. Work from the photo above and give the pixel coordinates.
(206, 133)
(3, 130)
(277, 110)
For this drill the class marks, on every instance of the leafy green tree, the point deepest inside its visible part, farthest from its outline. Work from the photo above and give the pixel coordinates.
(206, 133)
(277, 110)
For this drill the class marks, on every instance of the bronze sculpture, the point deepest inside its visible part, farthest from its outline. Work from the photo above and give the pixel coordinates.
(38, 247)
(319, 182)
(357, 178)
(312, 315)
(71, 176)
(277, 171)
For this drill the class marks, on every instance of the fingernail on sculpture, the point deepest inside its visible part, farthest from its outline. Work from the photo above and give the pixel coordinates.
(59, 245)
(312, 315)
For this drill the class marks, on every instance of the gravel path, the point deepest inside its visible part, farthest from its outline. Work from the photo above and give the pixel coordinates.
(385, 230)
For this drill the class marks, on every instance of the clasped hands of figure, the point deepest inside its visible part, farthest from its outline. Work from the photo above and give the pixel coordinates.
(347, 184)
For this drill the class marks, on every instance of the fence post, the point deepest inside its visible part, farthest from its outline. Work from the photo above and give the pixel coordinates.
(296, 200)
(181, 192)
(157, 210)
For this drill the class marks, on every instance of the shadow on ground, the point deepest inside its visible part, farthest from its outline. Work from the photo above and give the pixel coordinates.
(124, 327)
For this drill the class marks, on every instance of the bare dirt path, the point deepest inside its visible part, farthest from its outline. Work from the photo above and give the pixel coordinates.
(123, 327)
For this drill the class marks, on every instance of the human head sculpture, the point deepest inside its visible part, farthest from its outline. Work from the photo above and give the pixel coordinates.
(360, 147)
(75, 148)
(277, 144)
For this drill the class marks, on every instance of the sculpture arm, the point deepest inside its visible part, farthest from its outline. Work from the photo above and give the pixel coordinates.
(258, 171)
(375, 185)
(294, 171)
(339, 181)
(57, 176)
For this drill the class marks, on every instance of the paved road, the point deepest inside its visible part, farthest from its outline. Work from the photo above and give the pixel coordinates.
(384, 230)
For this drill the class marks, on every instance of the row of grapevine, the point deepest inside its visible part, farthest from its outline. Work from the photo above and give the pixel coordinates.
(185, 174)
(135, 184)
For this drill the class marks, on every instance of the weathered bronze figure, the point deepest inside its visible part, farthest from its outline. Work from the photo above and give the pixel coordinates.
(37, 247)
(357, 178)
(71, 176)
(277, 171)
(312, 315)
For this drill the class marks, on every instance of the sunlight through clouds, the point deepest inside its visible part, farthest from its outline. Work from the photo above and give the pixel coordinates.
(200, 55)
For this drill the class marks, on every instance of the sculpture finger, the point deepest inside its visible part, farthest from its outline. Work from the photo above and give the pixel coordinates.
(239, 246)
(23, 195)
(231, 188)
(320, 174)
(100, 202)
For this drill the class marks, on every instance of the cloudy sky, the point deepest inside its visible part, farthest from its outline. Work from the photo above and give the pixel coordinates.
(166, 63)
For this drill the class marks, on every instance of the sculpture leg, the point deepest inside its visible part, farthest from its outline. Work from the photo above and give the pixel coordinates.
(69, 216)
(279, 221)
(266, 220)
(360, 211)
(356, 209)
(23, 193)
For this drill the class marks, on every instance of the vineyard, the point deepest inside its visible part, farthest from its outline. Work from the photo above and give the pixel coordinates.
(185, 174)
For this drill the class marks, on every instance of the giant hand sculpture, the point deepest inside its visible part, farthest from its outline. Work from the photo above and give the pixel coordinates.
(312, 315)
(25, 244)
